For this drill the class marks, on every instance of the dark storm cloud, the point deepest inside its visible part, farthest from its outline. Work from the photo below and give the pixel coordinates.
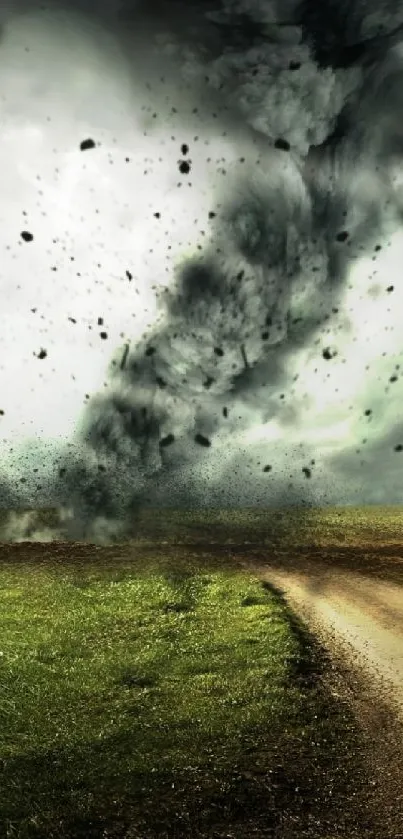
(277, 256)
(321, 90)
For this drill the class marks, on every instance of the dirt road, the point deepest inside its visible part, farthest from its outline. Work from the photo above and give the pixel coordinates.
(352, 601)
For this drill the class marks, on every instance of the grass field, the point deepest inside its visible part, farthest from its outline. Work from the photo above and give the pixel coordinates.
(290, 526)
(161, 691)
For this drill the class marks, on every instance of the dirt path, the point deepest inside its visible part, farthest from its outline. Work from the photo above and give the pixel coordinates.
(356, 613)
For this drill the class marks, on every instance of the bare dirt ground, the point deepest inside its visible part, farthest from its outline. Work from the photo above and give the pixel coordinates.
(351, 599)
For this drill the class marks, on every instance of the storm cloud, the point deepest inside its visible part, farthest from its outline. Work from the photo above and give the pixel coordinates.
(230, 397)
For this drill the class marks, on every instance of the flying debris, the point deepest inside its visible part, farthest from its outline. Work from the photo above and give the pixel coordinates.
(87, 144)
(184, 167)
(245, 360)
(124, 357)
(328, 353)
(202, 441)
(282, 144)
(167, 441)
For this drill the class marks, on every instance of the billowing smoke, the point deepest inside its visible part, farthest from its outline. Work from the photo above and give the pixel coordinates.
(315, 90)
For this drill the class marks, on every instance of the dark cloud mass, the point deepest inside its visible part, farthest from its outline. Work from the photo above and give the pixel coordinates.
(315, 90)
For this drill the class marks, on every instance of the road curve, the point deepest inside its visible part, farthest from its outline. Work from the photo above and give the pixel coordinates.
(355, 610)
(362, 616)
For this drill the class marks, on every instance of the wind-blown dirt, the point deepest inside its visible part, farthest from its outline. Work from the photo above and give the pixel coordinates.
(351, 599)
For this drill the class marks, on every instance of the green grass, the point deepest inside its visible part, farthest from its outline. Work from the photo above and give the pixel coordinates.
(148, 693)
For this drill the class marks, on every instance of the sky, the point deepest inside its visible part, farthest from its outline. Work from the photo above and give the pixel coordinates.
(201, 305)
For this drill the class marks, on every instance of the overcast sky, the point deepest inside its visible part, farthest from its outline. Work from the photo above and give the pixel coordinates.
(186, 113)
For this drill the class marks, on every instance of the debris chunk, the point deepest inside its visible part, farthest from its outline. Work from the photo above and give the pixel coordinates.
(202, 441)
(167, 441)
(87, 144)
